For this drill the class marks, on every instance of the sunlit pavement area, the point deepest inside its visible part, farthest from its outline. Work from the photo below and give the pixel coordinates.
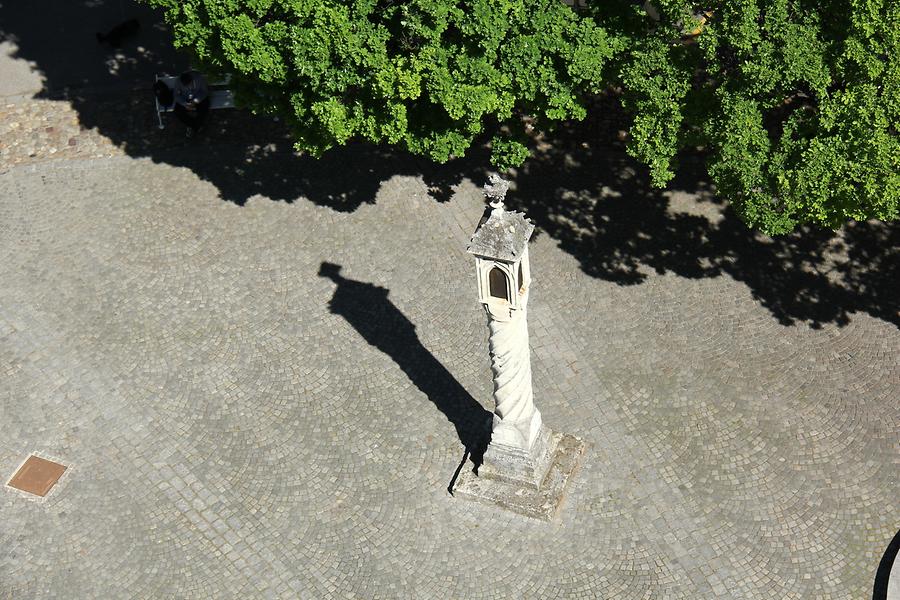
(261, 372)
(235, 423)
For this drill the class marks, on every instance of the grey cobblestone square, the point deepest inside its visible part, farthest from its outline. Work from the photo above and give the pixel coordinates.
(238, 428)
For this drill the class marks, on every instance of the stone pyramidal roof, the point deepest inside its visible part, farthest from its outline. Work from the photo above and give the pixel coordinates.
(501, 235)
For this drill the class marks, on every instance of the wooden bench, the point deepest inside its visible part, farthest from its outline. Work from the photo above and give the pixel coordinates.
(219, 96)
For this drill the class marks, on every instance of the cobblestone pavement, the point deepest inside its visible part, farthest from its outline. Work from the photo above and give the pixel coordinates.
(33, 130)
(235, 427)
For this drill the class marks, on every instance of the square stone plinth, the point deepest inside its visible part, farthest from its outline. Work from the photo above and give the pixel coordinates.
(37, 475)
(541, 502)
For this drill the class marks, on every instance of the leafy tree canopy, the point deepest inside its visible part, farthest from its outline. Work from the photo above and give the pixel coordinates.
(795, 101)
(429, 75)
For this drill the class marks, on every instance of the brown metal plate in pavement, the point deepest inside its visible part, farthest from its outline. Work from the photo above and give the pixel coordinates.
(37, 475)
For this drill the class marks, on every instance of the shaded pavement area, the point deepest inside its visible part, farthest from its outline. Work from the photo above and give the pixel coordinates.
(95, 100)
(239, 418)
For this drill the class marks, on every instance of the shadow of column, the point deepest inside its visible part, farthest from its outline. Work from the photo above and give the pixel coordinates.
(367, 308)
(887, 570)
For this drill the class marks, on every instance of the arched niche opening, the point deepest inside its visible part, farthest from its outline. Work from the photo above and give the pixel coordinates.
(497, 284)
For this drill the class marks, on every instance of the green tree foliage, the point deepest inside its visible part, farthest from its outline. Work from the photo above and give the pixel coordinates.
(795, 101)
(429, 75)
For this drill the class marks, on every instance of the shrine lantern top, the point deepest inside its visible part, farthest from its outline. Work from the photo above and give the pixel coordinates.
(500, 246)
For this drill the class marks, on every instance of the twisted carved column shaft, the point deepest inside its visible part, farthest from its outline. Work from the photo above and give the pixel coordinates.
(511, 366)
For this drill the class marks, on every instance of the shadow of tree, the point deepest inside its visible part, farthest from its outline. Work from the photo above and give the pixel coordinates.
(241, 154)
(342, 179)
(599, 207)
(593, 200)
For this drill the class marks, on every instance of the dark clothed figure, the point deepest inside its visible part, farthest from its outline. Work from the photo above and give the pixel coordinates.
(164, 94)
(191, 100)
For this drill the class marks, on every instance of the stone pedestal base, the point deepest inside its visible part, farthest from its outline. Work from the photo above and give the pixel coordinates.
(531, 484)
(517, 465)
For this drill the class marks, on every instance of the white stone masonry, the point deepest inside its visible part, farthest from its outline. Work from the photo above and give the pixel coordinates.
(516, 420)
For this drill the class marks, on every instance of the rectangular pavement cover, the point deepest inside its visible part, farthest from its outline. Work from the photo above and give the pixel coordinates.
(37, 475)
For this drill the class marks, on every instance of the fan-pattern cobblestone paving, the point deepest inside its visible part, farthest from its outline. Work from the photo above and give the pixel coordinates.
(230, 432)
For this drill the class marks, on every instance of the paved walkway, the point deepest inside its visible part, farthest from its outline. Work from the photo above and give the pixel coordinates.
(208, 333)
(237, 424)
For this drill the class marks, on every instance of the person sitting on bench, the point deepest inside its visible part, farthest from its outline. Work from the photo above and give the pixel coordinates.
(191, 100)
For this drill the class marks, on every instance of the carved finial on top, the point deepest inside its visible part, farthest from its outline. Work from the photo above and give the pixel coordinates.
(495, 191)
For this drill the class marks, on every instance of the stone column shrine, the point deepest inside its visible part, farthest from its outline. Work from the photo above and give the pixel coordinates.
(526, 467)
